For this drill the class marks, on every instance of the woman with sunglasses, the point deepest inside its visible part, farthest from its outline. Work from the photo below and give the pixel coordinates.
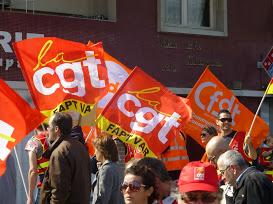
(207, 133)
(109, 175)
(139, 185)
(198, 183)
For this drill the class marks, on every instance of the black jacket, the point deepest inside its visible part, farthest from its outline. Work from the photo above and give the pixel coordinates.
(253, 188)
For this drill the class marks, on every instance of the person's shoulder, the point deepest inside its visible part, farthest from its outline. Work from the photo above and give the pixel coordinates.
(64, 146)
(110, 169)
(253, 173)
(32, 144)
(237, 133)
(72, 145)
(110, 166)
(69, 141)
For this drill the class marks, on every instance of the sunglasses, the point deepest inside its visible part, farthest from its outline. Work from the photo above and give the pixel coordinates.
(203, 134)
(225, 119)
(192, 197)
(134, 186)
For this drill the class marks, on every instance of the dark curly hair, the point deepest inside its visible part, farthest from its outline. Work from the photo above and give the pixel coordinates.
(156, 166)
(148, 179)
(210, 130)
(107, 146)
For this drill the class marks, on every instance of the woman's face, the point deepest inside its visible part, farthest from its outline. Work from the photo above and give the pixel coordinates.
(205, 137)
(133, 190)
(99, 155)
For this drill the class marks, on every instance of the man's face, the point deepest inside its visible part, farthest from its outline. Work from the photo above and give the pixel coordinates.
(224, 121)
(53, 132)
(227, 173)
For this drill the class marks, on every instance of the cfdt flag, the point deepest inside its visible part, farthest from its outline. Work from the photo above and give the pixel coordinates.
(208, 97)
(63, 75)
(144, 114)
(17, 119)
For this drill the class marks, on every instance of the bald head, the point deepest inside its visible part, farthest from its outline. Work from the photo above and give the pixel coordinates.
(215, 147)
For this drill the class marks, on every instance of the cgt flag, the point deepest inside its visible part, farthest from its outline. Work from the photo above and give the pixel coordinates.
(117, 74)
(144, 114)
(63, 75)
(17, 119)
(208, 97)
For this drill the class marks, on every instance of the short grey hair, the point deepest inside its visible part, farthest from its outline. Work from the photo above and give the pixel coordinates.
(232, 157)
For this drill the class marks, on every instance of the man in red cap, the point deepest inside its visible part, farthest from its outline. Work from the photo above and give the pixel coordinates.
(198, 183)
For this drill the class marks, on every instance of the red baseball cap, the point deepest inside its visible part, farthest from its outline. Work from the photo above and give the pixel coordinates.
(198, 176)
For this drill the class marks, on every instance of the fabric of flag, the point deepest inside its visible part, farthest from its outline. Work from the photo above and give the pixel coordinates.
(17, 119)
(208, 97)
(270, 87)
(144, 114)
(63, 75)
(117, 74)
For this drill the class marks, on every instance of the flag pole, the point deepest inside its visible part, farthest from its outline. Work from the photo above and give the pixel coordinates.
(259, 107)
(20, 170)
(89, 134)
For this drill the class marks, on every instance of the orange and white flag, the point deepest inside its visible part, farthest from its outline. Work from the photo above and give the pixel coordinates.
(63, 75)
(117, 74)
(17, 119)
(144, 114)
(208, 97)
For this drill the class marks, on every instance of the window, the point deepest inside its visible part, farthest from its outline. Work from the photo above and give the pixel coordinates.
(203, 17)
(93, 9)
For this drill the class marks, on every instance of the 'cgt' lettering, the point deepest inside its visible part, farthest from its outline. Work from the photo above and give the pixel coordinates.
(214, 99)
(143, 124)
(66, 85)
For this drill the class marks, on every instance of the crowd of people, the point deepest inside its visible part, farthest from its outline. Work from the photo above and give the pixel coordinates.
(230, 171)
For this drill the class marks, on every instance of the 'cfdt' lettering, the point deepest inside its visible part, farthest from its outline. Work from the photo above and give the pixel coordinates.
(215, 100)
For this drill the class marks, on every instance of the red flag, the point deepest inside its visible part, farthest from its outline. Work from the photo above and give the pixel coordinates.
(144, 114)
(63, 75)
(117, 74)
(17, 119)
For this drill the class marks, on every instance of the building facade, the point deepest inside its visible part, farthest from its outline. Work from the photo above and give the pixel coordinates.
(172, 40)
